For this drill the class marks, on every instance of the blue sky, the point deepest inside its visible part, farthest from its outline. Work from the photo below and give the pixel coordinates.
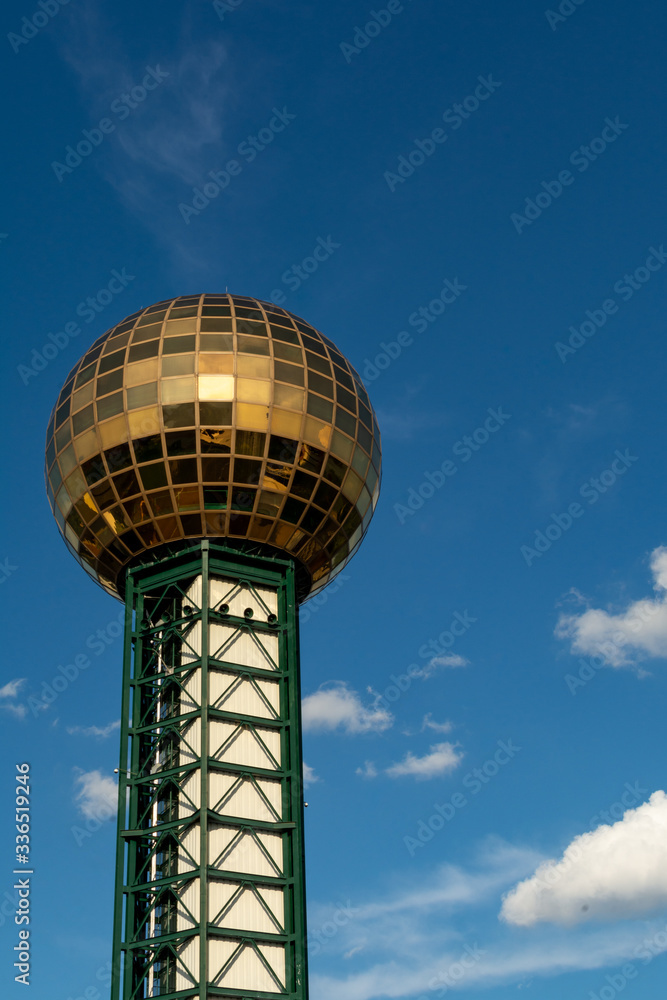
(484, 685)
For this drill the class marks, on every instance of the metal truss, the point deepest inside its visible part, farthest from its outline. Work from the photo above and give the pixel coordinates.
(210, 885)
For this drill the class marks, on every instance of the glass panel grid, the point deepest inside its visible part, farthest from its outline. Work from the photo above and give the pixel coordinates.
(241, 402)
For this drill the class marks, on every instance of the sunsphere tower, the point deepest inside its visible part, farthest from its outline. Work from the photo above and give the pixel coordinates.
(211, 461)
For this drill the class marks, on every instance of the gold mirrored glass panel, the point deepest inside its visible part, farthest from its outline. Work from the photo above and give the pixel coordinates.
(210, 416)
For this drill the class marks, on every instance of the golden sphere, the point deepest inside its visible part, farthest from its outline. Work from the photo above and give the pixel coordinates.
(213, 416)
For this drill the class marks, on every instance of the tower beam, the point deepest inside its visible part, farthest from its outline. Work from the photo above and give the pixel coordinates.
(210, 882)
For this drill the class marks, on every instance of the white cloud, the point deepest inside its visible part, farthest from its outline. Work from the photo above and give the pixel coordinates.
(12, 688)
(442, 758)
(101, 732)
(337, 707)
(309, 776)
(400, 945)
(437, 727)
(629, 636)
(9, 691)
(20, 711)
(96, 795)
(613, 873)
(369, 770)
(439, 662)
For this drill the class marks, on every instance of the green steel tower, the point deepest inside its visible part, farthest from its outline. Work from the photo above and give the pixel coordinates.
(212, 461)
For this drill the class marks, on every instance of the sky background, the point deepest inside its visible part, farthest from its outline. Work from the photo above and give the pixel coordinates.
(539, 730)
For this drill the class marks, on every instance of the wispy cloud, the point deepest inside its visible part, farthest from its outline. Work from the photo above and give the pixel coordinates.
(100, 732)
(626, 637)
(337, 707)
(437, 727)
(399, 945)
(189, 118)
(309, 776)
(173, 138)
(448, 661)
(441, 759)
(8, 693)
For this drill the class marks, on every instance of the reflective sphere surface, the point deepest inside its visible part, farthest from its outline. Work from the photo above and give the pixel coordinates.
(212, 416)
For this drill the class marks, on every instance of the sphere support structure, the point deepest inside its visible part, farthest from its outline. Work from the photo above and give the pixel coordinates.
(210, 880)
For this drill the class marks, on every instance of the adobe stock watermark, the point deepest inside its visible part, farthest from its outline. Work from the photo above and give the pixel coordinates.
(581, 158)
(343, 914)
(31, 26)
(7, 569)
(97, 642)
(419, 320)
(440, 646)
(378, 20)
(313, 605)
(591, 490)
(616, 982)
(249, 150)
(609, 650)
(222, 7)
(295, 275)
(88, 309)
(452, 977)
(474, 782)
(122, 107)
(103, 977)
(465, 448)
(565, 9)
(454, 117)
(632, 795)
(625, 287)
(93, 823)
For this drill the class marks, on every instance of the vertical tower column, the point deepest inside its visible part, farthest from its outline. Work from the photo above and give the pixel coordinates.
(210, 885)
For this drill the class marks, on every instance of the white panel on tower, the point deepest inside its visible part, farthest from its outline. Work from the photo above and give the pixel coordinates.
(187, 965)
(246, 970)
(237, 850)
(188, 906)
(191, 649)
(244, 695)
(190, 743)
(240, 645)
(246, 909)
(262, 601)
(189, 843)
(191, 691)
(232, 795)
(189, 799)
(240, 743)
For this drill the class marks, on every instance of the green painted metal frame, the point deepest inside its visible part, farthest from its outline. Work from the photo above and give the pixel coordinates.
(149, 589)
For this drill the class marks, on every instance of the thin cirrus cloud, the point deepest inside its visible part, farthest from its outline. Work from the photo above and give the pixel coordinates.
(337, 707)
(614, 872)
(629, 636)
(447, 661)
(99, 732)
(8, 693)
(176, 124)
(166, 145)
(437, 727)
